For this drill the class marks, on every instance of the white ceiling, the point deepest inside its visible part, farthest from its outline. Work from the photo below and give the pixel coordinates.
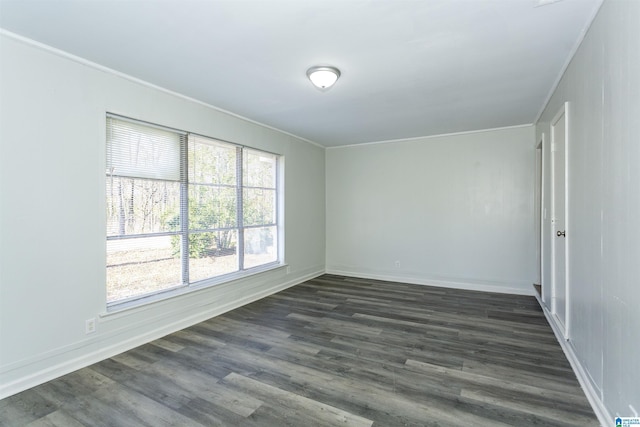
(409, 68)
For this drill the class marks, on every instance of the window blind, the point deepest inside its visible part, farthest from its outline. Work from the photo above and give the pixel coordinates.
(141, 151)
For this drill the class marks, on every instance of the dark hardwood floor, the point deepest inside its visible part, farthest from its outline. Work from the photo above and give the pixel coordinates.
(331, 351)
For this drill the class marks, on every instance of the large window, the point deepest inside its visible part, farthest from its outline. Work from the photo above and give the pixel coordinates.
(183, 209)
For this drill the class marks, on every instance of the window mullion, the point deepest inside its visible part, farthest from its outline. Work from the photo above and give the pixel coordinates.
(184, 210)
(277, 200)
(239, 208)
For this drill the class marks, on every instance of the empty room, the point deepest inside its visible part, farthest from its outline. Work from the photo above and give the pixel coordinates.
(319, 213)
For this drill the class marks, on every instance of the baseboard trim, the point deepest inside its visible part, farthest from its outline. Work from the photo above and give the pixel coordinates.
(90, 358)
(469, 286)
(604, 417)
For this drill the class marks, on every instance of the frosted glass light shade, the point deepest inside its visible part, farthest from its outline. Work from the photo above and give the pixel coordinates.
(323, 77)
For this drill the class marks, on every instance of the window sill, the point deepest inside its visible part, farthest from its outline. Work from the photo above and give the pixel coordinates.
(115, 309)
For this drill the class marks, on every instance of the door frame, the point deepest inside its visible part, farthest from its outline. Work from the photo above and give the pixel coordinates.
(564, 110)
(541, 216)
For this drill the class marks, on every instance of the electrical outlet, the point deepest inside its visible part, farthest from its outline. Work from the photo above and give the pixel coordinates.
(90, 326)
(397, 264)
(288, 270)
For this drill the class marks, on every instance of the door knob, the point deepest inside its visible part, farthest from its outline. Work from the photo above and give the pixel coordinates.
(561, 233)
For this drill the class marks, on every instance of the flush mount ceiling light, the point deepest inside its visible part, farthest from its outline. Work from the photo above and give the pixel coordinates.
(545, 2)
(323, 77)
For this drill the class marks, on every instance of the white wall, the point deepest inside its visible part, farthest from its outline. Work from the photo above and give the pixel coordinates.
(454, 210)
(52, 213)
(602, 86)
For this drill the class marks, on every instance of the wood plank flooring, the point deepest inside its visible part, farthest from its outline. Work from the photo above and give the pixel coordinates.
(331, 351)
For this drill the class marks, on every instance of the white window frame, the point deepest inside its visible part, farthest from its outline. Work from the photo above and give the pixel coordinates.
(186, 285)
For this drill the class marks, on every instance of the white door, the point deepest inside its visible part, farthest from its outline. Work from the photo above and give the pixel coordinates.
(560, 289)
